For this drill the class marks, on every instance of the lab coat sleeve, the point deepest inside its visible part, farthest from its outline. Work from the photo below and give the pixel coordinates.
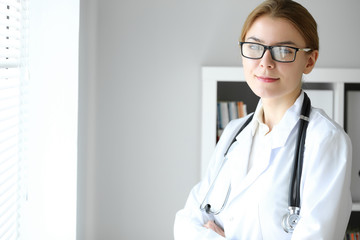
(190, 220)
(325, 191)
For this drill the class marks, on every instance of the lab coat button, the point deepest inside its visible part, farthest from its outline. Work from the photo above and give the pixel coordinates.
(231, 219)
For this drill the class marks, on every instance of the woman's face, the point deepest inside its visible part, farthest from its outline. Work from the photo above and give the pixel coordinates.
(270, 79)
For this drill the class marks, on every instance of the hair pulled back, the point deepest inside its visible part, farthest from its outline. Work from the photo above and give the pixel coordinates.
(290, 10)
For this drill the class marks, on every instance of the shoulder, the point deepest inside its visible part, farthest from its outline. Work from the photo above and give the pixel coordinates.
(235, 125)
(231, 129)
(322, 127)
(327, 146)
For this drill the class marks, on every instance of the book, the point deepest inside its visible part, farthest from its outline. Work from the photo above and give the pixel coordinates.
(227, 111)
(352, 235)
(233, 110)
(224, 114)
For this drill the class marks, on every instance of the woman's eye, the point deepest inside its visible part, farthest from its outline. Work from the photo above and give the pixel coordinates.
(254, 47)
(285, 50)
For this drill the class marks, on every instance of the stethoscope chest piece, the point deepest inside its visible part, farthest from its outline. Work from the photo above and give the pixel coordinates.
(290, 219)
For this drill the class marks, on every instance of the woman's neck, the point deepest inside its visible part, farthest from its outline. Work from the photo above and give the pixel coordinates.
(275, 108)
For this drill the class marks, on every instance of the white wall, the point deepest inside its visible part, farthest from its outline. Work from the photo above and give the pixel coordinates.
(86, 210)
(140, 98)
(50, 209)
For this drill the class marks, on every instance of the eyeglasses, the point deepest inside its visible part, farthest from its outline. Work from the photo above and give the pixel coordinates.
(284, 54)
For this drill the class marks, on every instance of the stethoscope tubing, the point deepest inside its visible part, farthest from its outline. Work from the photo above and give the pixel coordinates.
(207, 207)
(294, 195)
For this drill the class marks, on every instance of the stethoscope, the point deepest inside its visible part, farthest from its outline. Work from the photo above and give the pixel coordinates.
(291, 218)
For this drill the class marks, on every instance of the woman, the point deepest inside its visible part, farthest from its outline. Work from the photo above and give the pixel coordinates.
(279, 43)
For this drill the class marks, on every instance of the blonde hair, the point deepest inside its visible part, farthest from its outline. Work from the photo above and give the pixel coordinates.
(291, 11)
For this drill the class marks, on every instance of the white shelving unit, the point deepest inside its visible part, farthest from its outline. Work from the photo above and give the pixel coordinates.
(211, 76)
(356, 207)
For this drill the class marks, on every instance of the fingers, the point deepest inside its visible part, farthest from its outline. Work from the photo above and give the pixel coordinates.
(212, 225)
(209, 224)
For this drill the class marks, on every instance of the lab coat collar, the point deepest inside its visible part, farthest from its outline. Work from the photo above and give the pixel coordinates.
(286, 124)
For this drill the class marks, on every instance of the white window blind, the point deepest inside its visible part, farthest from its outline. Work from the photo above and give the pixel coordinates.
(13, 59)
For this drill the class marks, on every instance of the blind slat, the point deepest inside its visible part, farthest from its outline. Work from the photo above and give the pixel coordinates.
(8, 148)
(11, 23)
(10, 39)
(8, 152)
(10, 9)
(10, 199)
(9, 226)
(14, 3)
(9, 33)
(13, 31)
(9, 182)
(9, 64)
(9, 135)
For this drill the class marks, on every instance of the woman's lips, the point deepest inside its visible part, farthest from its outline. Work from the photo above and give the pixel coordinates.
(267, 79)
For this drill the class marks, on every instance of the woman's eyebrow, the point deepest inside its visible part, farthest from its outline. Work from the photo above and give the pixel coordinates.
(278, 43)
(286, 43)
(255, 39)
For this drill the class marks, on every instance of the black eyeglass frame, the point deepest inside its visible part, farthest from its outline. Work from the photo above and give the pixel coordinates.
(270, 49)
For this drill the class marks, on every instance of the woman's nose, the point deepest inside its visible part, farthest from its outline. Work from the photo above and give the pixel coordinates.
(267, 61)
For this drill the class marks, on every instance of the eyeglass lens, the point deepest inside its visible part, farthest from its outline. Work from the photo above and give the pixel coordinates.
(278, 53)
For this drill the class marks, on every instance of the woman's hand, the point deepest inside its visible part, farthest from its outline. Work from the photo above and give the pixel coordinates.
(212, 225)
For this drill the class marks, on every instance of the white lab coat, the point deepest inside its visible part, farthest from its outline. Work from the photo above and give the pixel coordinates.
(259, 200)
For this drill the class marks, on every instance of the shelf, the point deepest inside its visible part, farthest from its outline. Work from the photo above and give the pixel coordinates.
(356, 207)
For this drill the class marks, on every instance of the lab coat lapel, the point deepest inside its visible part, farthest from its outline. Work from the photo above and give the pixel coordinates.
(239, 157)
(239, 185)
(241, 180)
(256, 171)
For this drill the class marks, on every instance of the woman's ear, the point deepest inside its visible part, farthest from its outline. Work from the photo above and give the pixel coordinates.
(312, 58)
